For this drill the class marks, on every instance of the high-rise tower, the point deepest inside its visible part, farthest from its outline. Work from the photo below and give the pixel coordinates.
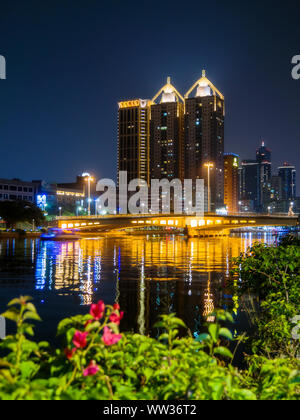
(287, 173)
(263, 158)
(133, 138)
(231, 182)
(204, 137)
(166, 134)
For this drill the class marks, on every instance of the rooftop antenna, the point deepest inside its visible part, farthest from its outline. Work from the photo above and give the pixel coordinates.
(203, 73)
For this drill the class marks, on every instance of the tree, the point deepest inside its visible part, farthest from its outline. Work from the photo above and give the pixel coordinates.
(13, 212)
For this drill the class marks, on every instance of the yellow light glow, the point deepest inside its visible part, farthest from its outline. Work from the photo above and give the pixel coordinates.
(170, 222)
(194, 223)
(163, 222)
(64, 226)
(129, 104)
(209, 222)
(201, 223)
(70, 225)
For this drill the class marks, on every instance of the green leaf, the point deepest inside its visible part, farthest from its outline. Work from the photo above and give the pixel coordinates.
(31, 315)
(12, 314)
(213, 331)
(224, 332)
(223, 351)
(203, 337)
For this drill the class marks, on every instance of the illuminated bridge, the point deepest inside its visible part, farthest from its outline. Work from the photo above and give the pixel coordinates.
(209, 225)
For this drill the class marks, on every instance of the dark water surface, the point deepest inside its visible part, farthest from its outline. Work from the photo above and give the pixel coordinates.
(147, 276)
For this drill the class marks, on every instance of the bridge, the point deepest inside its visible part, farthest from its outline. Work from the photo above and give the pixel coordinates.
(208, 225)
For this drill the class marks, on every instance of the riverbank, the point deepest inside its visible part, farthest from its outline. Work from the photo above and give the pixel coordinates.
(17, 235)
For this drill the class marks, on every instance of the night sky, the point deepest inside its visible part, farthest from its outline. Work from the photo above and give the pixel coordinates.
(70, 62)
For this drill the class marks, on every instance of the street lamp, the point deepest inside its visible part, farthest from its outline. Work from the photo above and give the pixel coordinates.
(88, 178)
(60, 209)
(208, 165)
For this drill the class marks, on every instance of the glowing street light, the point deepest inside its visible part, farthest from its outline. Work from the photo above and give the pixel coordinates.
(88, 178)
(60, 209)
(208, 165)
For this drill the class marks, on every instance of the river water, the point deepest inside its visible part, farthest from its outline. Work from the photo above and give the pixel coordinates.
(147, 276)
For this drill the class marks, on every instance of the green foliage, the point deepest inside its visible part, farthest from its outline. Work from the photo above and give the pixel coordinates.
(273, 274)
(100, 364)
(13, 212)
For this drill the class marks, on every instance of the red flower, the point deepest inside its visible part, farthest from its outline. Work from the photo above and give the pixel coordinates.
(116, 307)
(97, 310)
(91, 370)
(109, 338)
(79, 339)
(69, 353)
(115, 318)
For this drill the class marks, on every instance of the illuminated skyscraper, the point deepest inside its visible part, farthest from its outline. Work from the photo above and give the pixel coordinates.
(263, 158)
(166, 134)
(204, 137)
(250, 185)
(287, 173)
(133, 138)
(231, 182)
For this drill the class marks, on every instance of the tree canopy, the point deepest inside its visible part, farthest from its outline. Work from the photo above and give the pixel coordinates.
(13, 212)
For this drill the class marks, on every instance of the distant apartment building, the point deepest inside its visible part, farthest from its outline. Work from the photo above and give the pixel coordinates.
(250, 185)
(231, 182)
(15, 189)
(287, 173)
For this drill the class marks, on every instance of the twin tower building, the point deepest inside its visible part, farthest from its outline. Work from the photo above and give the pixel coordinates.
(172, 136)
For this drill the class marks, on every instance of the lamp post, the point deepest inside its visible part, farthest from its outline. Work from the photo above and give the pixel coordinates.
(60, 209)
(89, 179)
(208, 165)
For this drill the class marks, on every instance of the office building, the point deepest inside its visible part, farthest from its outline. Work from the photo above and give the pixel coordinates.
(287, 173)
(166, 134)
(133, 139)
(250, 185)
(231, 182)
(204, 137)
(15, 189)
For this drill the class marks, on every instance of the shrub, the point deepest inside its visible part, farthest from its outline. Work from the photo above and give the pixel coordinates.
(96, 362)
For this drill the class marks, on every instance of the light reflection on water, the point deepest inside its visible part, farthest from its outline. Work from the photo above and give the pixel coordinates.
(147, 276)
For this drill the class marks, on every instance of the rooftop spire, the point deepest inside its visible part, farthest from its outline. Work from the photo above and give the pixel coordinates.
(203, 73)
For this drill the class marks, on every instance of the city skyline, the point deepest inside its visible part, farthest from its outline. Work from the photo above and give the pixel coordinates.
(59, 101)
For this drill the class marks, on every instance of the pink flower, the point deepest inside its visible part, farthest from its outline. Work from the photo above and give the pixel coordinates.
(91, 370)
(97, 310)
(79, 339)
(115, 318)
(116, 307)
(69, 353)
(110, 338)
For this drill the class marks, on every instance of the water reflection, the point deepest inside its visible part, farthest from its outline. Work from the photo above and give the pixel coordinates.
(147, 276)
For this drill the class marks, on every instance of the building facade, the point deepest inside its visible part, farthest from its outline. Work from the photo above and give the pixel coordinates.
(166, 134)
(133, 139)
(287, 173)
(15, 189)
(231, 182)
(175, 137)
(204, 137)
(250, 185)
(264, 160)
